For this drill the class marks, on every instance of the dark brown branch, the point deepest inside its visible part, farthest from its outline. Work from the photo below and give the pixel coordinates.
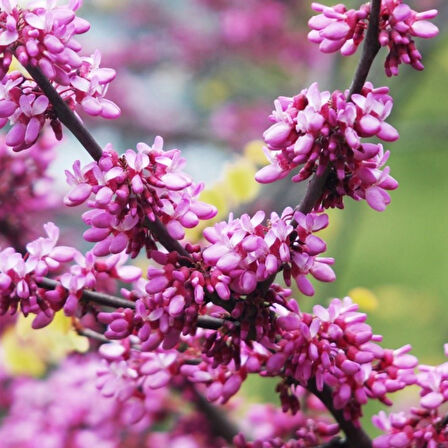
(218, 420)
(356, 437)
(369, 52)
(91, 334)
(65, 114)
(168, 242)
(206, 322)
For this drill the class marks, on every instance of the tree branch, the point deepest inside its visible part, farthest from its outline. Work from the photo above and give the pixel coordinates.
(356, 437)
(65, 114)
(370, 50)
(219, 422)
(206, 322)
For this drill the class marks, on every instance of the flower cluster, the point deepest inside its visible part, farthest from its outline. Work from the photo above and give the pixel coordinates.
(334, 347)
(89, 272)
(66, 410)
(244, 252)
(19, 276)
(319, 131)
(337, 28)
(43, 37)
(425, 426)
(140, 186)
(167, 304)
(269, 426)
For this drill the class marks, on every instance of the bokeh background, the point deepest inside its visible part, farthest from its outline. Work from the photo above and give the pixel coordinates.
(204, 74)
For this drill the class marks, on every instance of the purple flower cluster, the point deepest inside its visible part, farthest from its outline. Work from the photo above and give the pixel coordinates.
(337, 28)
(146, 184)
(43, 36)
(425, 426)
(336, 348)
(89, 272)
(167, 304)
(244, 252)
(269, 426)
(319, 131)
(66, 410)
(19, 276)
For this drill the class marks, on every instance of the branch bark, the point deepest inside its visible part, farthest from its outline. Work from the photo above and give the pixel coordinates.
(356, 436)
(370, 50)
(206, 322)
(65, 114)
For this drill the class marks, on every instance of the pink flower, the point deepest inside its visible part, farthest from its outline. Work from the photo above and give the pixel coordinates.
(337, 28)
(315, 129)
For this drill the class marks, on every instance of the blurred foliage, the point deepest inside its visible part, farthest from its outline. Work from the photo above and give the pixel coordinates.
(30, 352)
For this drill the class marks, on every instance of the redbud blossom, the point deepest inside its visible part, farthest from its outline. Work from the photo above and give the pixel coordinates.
(315, 130)
(339, 29)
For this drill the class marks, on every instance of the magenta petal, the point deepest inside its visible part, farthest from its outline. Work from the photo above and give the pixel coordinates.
(388, 133)
(270, 174)
(32, 131)
(369, 125)
(323, 272)
(335, 31)
(109, 110)
(53, 43)
(95, 234)
(129, 273)
(16, 135)
(330, 46)
(7, 108)
(42, 319)
(79, 194)
(277, 134)
(118, 243)
(176, 305)
(228, 261)
(175, 229)
(376, 199)
(432, 400)
(91, 106)
(424, 29)
(174, 181)
(305, 285)
(62, 253)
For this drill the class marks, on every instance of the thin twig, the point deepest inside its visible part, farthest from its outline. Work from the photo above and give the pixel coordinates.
(92, 334)
(206, 322)
(65, 114)
(370, 50)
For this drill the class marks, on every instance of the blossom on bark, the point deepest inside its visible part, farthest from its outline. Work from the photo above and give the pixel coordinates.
(317, 131)
(142, 185)
(339, 29)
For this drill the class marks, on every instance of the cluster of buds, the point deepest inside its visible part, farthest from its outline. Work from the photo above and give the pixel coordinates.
(140, 186)
(19, 276)
(167, 305)
(422, 426)
(319, 131)
(244, 252)
(334, 347)
(337, 28)
(43, 37)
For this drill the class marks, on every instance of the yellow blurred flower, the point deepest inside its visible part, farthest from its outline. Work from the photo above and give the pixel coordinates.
(28, 351)
(365, 298)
